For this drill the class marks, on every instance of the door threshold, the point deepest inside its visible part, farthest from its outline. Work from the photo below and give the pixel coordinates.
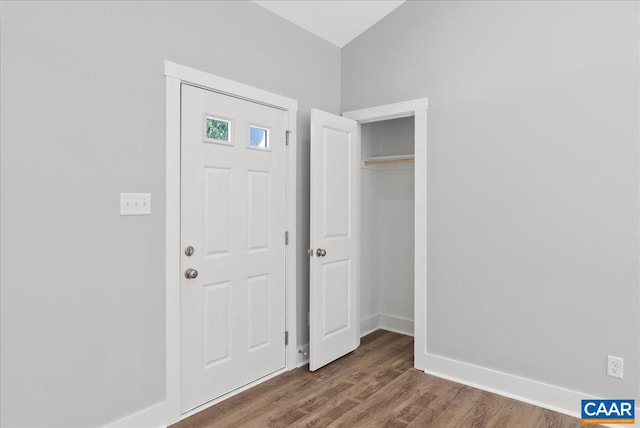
(231, 394)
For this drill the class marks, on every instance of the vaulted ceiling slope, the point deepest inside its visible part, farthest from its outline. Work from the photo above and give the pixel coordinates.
(336, 21)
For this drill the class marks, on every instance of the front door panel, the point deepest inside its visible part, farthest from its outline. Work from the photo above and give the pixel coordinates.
(232, 214)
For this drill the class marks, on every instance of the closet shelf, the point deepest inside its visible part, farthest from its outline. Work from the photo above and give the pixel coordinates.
(388, 160)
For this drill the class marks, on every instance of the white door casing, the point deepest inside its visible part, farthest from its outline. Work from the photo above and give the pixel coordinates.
(334, 238)
(175, 75)
(233, 215)
(418, 109)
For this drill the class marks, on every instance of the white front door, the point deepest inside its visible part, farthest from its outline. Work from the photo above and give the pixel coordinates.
(334, 264)
(232, 237)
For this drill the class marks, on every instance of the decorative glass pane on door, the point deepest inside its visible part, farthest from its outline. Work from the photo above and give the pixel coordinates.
(217, 129)
(258, 137)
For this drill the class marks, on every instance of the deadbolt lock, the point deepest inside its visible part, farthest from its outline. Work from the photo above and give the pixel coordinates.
(188, 251)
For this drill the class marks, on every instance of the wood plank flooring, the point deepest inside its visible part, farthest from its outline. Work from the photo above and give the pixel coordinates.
(374, 386)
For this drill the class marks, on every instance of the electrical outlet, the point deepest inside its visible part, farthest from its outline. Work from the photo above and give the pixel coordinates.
(615, 366)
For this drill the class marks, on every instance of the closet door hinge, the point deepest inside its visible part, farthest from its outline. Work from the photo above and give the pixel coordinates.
(287, 138)
(286, 238)
(286, 338)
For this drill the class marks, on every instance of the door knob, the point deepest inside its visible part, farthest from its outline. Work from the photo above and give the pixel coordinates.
(320, 252)
(310, 252)
(191, 273)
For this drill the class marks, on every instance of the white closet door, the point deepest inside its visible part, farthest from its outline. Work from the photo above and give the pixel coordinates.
(334, 264)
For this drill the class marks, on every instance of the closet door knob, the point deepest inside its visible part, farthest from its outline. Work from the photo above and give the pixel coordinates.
(320, 252)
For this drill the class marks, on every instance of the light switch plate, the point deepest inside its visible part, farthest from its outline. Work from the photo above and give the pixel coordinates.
(135, 203)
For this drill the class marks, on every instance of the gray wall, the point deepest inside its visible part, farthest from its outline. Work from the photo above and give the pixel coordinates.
(83, 120)
(533, 178)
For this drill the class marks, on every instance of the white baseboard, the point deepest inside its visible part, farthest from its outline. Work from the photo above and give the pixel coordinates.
(151, 417)
(386, 322)
(396, 324)
(540, 394)
(302, 359)
(369, 324)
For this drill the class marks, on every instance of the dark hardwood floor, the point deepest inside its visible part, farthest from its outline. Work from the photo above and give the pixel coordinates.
(374, 386)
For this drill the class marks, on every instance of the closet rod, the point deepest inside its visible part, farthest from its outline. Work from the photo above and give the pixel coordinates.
(386, 160)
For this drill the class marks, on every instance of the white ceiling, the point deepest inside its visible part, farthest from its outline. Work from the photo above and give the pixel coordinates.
(337, 21)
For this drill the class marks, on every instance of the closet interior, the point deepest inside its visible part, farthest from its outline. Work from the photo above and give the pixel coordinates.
(387, 226)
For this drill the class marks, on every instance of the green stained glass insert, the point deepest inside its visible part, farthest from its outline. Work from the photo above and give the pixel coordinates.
(217, 129)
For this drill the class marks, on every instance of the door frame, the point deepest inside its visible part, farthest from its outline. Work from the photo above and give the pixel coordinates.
(418, 109)
(175, 76)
